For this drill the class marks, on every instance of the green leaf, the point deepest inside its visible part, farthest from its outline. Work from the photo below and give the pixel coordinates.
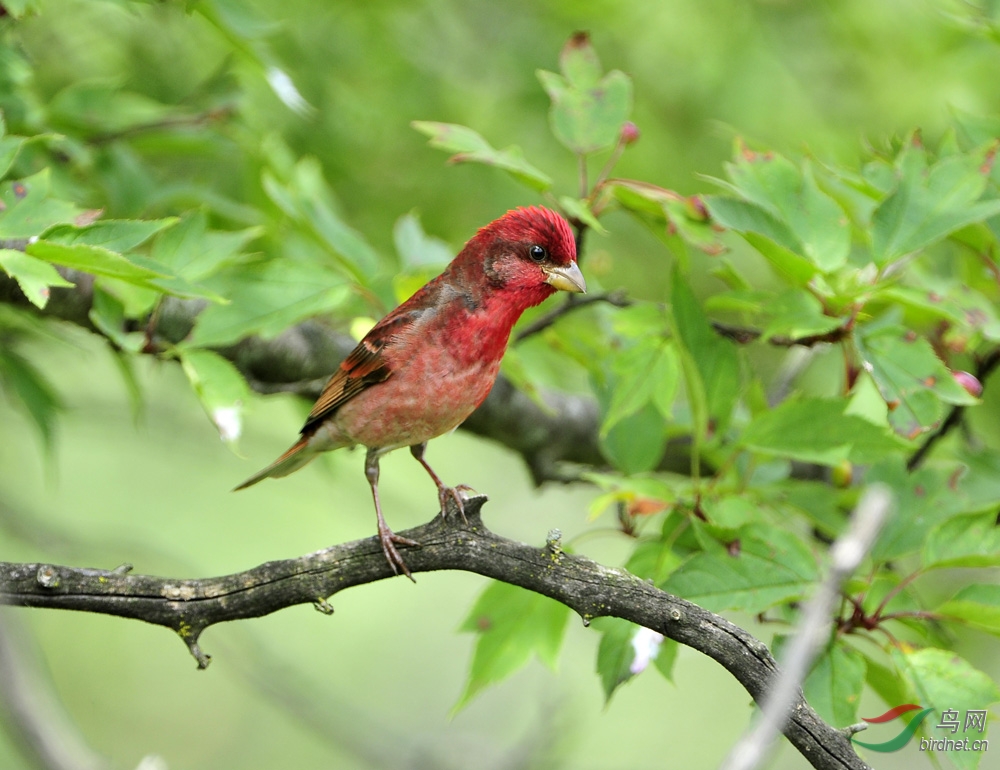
(817, 225)
(576, 208)
(930, 202)
(470, 147)
(635, 443)
(818, 501)
(653, 560)
(715, 360)
(125, 363)
(646, 372)
(107, 313)
(626, 650)
(220, 388)
(961, 306)
(981, 483)
(745, 216)
(977, 605)
(635, 490)
(771, 567)
(923, 499)
(963, 541)
(95, 260)
(512, 626)
(29, 389)
(781, 211)
(817, 430)
(730, 513)
(94, 248)
(614, 653)
(309, 201)
(887, 683)
(665, 211)
(797, 313)
(834, 683)
(689, 218)
(27, 211)
(119, 235)
(190, 250)
(266, 298)
(911, 378)
(946, 682)
(417, 249)
(588, 110)
(33, 276)
(10, 148)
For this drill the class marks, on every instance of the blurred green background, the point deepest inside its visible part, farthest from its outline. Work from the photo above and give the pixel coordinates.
(373, 685)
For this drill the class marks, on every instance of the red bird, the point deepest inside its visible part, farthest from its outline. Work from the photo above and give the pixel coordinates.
(427, 365)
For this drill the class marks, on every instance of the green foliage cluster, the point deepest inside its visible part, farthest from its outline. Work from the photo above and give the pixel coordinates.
(884, 275)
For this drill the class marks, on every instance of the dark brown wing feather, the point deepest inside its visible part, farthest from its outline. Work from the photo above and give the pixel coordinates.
(364, 367)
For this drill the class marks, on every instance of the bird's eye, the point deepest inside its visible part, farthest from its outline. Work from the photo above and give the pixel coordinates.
(537, 253)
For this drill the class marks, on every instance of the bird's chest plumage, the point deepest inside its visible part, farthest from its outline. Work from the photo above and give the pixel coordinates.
(440, 374)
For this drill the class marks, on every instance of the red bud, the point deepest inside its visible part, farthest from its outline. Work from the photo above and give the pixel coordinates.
(629, 133)
(968, 381)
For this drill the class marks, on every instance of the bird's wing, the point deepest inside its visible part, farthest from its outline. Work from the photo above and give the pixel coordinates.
(364, 367)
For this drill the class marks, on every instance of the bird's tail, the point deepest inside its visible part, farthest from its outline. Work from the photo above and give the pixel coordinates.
(297, 455)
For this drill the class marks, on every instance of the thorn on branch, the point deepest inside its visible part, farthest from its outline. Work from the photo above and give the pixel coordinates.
(322, 605)
(553, 542)
(190, 636)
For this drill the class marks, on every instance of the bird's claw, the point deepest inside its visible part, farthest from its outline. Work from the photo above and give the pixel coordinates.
(389, 539)
(455, 493)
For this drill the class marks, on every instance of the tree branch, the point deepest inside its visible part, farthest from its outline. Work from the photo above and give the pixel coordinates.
(189, 606)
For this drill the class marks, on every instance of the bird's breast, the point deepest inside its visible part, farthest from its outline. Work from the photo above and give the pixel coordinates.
(425, 396)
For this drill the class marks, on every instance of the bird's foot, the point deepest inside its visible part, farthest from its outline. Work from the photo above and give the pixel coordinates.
(389, 540)
(455, 493)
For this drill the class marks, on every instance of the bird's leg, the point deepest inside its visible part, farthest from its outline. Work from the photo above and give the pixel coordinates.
(386, 536)
(417, 450)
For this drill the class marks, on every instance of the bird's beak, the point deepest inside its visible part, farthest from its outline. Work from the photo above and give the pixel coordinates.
(566, 278)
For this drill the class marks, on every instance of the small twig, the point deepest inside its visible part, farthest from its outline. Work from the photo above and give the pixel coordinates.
(174, 121)
(893, 592)
(985, 367)
(743, 335)
(779, 699)
(616, 155)
(617, 298)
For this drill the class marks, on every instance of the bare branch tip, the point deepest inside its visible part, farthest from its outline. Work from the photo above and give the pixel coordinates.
(190, 636)
(323, 606)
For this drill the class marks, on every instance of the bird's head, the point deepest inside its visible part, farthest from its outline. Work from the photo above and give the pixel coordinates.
(528, 253)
